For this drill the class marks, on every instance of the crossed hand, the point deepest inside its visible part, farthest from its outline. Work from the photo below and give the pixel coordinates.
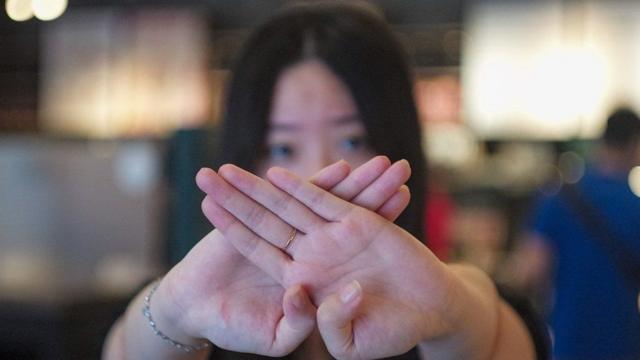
(288, 255)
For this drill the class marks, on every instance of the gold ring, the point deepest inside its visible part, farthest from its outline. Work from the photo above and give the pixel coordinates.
(292, 236)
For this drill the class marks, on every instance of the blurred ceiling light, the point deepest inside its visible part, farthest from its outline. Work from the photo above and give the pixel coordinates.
(634, 180)
(49, 9)
(19, 10)
(565, 85)
(530, 70)
(155, 83)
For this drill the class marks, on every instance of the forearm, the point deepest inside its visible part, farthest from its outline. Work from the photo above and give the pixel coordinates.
(512, 339)
(482, 325)
(131, 337)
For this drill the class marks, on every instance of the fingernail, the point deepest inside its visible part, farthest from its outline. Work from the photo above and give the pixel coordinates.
(226, 169)
(275, 170)
(345, 163)
(203, 170)
(350, 292)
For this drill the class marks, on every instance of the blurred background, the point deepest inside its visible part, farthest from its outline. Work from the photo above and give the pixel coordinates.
(106, 104)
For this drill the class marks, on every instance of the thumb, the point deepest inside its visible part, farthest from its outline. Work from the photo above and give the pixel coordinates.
(298, 320)
(335, 319)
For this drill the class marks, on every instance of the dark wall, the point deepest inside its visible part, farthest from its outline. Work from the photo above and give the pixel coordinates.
(18, 74)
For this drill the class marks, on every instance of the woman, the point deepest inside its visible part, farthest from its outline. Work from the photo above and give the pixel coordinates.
(290, 262)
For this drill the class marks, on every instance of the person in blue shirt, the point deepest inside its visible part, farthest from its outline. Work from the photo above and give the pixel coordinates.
(594, 307)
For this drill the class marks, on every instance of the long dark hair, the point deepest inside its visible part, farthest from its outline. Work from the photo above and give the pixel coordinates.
(360, 48)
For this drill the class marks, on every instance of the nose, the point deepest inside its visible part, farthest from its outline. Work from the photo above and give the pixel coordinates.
(318, 157)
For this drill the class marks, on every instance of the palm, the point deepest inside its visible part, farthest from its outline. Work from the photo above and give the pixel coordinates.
(404, 287)
(400, 278)
(228, 296)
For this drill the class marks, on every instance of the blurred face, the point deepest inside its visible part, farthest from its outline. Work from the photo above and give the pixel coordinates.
(314, 122)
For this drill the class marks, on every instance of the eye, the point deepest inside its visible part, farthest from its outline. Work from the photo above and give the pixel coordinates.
(280, 151)
(353, 143)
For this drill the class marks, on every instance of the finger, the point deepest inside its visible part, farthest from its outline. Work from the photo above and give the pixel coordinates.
(332, 175)
(361, 177)
(254, 216)
(298, 308)
(298, 322)
(335, 320)
(393, 207)
(269, 197)
(264, 255)
(382, 188)
(323, 203)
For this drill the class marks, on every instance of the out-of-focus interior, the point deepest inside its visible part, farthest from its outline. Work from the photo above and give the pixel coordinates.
(105, 107)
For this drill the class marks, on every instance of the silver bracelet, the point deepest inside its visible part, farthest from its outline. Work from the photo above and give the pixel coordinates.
(146, 311)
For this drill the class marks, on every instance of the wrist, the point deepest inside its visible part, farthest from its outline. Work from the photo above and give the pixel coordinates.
(478, 311)
(168, 317)
(470, 315)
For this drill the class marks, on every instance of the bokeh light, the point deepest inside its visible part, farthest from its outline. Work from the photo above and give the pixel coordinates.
(634, 180)
(48, 9)
(572, 167)
(19, 10)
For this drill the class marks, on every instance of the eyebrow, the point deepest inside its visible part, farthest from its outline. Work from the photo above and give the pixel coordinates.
(342, 120)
